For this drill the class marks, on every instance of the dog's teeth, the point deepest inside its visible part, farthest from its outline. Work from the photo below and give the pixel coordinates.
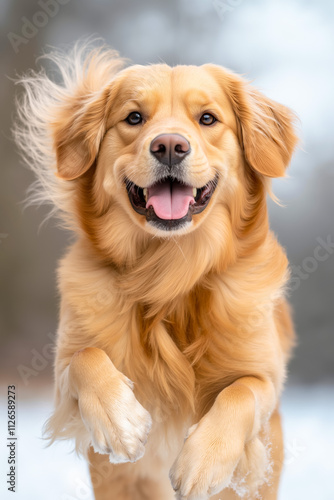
(145, 193)
(194, 192)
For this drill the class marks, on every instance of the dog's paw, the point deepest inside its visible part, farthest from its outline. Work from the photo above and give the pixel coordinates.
(209, 460)
(117, 422)
(205, 464)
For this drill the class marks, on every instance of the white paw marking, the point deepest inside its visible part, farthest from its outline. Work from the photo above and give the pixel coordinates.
(117, 422)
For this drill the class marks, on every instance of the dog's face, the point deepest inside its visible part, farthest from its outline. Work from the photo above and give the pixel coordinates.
(170, 147)
(166, 145)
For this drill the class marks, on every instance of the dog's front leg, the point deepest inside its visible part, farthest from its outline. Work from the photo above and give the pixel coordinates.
(117, 423)
(226, 439)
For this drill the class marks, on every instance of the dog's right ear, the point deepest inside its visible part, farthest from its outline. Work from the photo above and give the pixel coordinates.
(82, 106)
(78, 130)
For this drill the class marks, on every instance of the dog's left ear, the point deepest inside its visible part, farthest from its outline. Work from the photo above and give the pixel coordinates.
(265, 127)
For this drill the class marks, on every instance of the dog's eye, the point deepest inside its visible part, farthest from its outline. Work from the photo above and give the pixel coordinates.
(207, 119)
(134, 118)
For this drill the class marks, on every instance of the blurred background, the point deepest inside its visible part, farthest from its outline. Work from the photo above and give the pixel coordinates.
(287, 49)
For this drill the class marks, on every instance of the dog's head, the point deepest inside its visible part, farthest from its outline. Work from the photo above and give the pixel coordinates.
(158, 148)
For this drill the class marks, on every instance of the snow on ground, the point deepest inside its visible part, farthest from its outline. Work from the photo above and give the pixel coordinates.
(56, 474)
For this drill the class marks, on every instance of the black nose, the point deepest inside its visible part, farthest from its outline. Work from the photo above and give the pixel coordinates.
(170, 149)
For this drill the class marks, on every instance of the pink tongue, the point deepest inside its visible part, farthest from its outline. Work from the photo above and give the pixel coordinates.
(170, 201)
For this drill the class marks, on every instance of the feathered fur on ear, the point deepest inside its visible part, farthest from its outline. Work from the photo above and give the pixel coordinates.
(82, 106)
(78, 132)
(265, 127)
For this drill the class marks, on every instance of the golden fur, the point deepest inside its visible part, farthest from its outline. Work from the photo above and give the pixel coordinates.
(195, 318)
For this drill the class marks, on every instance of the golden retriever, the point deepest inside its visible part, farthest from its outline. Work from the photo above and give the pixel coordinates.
(174, 331)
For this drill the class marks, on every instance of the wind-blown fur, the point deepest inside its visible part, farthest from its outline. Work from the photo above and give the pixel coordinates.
(80, 74)
(192, 318)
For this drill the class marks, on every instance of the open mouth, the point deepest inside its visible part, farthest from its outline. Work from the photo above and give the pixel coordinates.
(170, 203)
